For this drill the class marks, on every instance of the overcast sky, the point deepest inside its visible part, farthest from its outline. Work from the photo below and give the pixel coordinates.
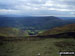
(37, 7)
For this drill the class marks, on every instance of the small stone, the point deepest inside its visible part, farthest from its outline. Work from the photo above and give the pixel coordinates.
(38, 54)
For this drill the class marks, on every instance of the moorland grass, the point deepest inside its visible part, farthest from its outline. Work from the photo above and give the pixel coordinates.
(46, 47)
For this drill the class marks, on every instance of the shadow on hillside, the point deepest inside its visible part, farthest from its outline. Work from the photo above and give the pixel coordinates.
(34, 38)
(61, 35)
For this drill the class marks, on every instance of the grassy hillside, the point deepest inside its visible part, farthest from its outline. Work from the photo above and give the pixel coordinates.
(34, 46)
(44, 46)
(59, 30)
(12, 32)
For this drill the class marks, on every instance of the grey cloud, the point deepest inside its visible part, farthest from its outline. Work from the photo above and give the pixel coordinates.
(41, 6)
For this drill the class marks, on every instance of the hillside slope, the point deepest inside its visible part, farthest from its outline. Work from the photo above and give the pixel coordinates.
(12, 32)
(59, 30)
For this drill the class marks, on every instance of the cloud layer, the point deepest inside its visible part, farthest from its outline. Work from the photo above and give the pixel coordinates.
(38, 7)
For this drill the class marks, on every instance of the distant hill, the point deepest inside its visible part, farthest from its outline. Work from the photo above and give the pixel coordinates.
(30, 23)
(68, 20)
(60, 30)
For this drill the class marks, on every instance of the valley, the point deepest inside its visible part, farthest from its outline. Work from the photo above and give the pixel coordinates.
(30, 36)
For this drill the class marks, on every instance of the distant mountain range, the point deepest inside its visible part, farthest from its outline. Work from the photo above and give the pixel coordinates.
(33, 23)
(68, 20)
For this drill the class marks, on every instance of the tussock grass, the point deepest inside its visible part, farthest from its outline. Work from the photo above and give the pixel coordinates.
(46, 47)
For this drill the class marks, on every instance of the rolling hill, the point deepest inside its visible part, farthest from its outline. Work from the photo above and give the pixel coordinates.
(67, 29)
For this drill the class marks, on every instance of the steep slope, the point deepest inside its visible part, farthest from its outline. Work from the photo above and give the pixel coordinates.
(59, 30)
